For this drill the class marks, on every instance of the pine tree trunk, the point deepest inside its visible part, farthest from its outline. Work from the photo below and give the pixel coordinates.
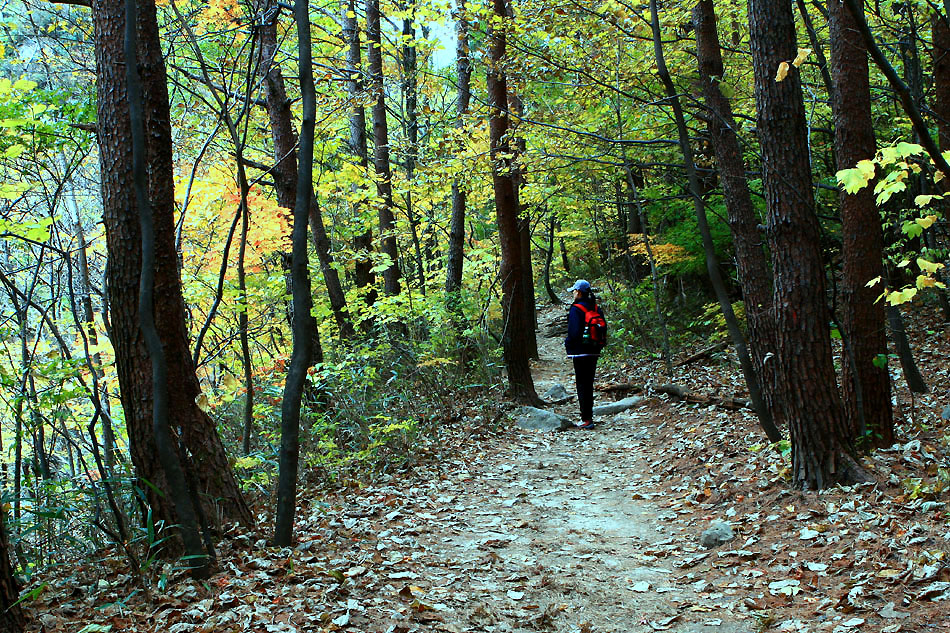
(463, 66)
(12, 619)
(524, 226)
(712, 262)
(754, 276)
(411, 117)
(867, 395)
(363, 242)
(820, 437)
(940, 31)
(520, 382)
(196, 431)
(384, 185)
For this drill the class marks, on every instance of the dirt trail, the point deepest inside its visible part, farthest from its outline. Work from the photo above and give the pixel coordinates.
(556, 531)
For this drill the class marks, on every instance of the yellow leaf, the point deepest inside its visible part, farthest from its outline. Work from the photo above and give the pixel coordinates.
(924, 200)
(903, 263)
(782, 71)
(923, 281)
(803, 53)
(230, 382)
(903, 296)
(203, 403)
(873, 282)
(928, 267)
(926, 222)
(24, 85)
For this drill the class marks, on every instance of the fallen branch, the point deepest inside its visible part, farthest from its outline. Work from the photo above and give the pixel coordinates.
(680, 393)
(703, 353)
(625, 387)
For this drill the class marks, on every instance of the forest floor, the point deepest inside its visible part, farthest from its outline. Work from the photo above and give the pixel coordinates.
(586, 531)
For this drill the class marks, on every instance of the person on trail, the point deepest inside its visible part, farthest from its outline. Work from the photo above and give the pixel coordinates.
(586, 335)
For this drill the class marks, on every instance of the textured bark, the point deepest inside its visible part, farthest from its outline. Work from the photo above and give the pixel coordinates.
(941, 72)
(12, 619)
(712, 262)
(463, 66)
(195, 430)
(180, 483)
(517, 322)
(285, 172)
(524, 226)
(303, 330)
(411, 120)
(754, 276)
(384, 185)
(363, 242)
(867, 395)
(820, 438)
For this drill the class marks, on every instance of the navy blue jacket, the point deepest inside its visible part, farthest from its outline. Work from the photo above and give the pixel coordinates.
(574, 343)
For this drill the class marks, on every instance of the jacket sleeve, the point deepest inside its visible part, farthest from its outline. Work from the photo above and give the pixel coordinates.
(575, 326)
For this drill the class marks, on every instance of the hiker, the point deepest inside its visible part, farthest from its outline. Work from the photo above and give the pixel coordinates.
(586, 336)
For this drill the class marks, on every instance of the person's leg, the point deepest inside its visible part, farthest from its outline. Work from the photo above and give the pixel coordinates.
(584, 367)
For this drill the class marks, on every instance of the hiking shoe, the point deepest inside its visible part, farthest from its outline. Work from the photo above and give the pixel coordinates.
(586, 424)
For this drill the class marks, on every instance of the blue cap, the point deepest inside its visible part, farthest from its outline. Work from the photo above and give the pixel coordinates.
(581, 284)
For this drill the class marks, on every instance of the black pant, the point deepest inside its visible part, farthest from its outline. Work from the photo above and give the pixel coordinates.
(584, 367)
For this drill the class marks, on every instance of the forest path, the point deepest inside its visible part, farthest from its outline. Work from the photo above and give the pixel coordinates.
(557, 532)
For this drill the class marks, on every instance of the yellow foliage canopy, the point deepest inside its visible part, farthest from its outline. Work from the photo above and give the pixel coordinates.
(663, 254)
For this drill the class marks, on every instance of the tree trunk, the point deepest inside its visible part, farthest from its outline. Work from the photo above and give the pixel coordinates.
(752, 266)
(548, 260)
(88, 314)
(303, 330)
(820, 438)
(180, 481)
(867, 395)
(895, 322)
(411, 118)
(194, 429)
(941, 105)
(384, 185)
(285, 171)
(527, 278)
(363, 242)
(517, 322)
(524, 226)
(941, 74)
(12, 619)
(463, 66)
(712, 263)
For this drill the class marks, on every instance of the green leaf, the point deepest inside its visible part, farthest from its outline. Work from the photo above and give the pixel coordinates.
(727, 91)
(880, 361)
(856, 178)
(24, 85)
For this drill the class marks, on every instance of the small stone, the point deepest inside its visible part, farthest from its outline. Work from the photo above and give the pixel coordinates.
(718, 533)
(556, 393)
(945, 414)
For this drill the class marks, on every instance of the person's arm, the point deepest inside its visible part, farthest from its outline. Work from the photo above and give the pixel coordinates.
(575, 325)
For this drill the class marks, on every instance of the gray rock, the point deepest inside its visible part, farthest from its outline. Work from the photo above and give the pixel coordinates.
(719, 533)
(945, 414)
(617, 407)
(556, 393)
(535, 419)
